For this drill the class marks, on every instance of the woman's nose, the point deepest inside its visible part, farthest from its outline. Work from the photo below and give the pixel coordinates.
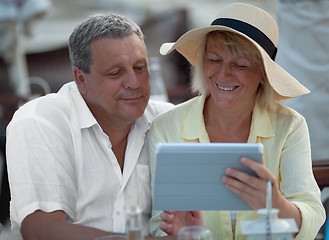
(225, 70)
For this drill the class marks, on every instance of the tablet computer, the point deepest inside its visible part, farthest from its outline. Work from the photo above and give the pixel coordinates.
(188, 176)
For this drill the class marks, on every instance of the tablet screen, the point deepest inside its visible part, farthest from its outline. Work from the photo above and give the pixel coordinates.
(188, 176)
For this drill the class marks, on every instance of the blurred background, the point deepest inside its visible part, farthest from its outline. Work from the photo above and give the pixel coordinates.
(34, 33)
(34, 56)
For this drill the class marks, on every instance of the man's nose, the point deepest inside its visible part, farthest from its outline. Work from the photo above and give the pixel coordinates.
(131, 80)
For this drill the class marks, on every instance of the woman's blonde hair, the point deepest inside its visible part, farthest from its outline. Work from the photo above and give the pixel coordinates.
(238, 46)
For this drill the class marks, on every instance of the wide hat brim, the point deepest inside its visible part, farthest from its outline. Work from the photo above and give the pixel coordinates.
(190, 44)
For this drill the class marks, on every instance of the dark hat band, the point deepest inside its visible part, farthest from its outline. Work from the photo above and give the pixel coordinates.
(250, 31)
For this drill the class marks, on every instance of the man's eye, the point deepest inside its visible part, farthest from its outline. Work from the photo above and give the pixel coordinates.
(113, 74)
(139, 68)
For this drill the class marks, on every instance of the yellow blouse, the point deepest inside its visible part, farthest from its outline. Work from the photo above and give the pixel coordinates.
(287, 155)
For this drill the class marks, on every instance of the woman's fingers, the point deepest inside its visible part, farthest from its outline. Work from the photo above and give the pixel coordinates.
(242, 180)
(165, 226)
(258, 168)
(198, 216)
(174, 220)
(250, 188)
(254, 197)
(166, 217)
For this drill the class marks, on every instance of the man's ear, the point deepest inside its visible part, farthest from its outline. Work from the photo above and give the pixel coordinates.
(262, 81)
(79, 78)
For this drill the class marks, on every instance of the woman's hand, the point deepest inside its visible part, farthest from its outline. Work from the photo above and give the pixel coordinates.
(253, 189)
(173, 221)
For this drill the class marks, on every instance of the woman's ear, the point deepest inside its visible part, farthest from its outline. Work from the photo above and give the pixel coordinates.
(79, 78)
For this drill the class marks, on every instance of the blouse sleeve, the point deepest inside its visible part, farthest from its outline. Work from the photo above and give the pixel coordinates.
(297, 182)
(154, 136)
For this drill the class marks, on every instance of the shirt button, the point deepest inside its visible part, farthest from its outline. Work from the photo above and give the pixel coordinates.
(118, 212)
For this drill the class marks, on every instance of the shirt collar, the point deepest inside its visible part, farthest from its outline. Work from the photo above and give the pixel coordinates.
(86, 118)
(194, 128)
(144, 122)
(261, 125)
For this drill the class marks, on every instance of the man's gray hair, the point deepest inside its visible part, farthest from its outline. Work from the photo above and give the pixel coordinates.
(98, 26)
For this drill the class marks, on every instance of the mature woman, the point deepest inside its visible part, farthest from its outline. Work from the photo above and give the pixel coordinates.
(239, 87)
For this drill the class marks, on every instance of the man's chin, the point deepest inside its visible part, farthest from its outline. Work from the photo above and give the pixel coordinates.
(135, 112)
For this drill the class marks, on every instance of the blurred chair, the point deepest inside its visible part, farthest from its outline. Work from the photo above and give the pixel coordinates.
(16, 21)
(321, 175)
(5, 192)
(321, 172)
(326, 232)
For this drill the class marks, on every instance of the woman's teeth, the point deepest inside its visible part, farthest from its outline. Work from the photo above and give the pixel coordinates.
(226, 88)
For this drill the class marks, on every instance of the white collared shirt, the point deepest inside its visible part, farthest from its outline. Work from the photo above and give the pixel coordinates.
(60, 159)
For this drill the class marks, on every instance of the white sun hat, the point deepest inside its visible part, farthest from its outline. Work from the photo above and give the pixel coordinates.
(259, 28)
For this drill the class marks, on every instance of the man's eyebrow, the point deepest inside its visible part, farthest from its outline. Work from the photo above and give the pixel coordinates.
(141, 60)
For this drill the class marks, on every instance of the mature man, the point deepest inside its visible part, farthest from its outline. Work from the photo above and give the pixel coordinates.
(76, 158)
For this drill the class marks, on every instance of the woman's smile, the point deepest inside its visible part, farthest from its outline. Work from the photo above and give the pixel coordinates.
(226, 89)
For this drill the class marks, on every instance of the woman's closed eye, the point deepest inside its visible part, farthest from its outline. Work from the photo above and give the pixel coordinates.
(241, 63)
(215, 60)
(240, 66)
